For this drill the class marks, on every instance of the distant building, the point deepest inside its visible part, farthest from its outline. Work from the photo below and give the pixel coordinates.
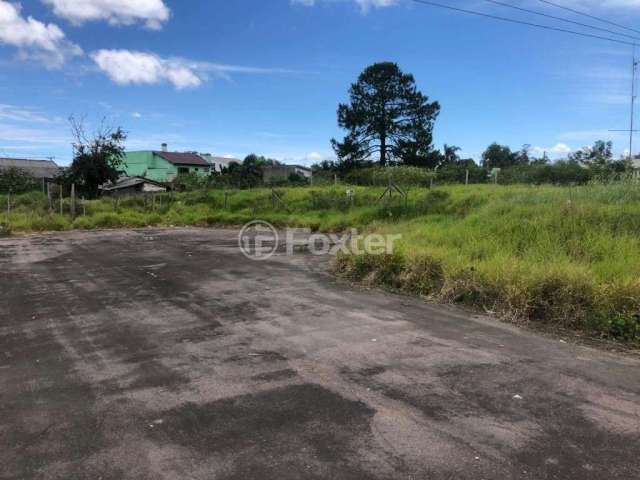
(218, 163)
(162, 165)
(284, 171)
(635, 166)
(132, 186)
(39, 169)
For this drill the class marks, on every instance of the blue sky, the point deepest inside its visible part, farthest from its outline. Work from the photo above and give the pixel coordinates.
(242, 76)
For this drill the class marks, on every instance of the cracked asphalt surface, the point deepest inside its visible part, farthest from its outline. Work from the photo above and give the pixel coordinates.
(166, 354)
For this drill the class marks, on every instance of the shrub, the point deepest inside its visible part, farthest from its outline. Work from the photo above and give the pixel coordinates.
(50, 223)
(17, 180)
(468, 288)
(624, 327)
(457, 173)
(5, 229)
(562, 172)
(401, 175)
(371, 269)
(562, 299)
(423, 276)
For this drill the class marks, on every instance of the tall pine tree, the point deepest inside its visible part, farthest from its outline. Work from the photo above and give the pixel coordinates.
(387, 118)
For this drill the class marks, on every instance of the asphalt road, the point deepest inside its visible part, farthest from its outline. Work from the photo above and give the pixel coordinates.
(169, 355)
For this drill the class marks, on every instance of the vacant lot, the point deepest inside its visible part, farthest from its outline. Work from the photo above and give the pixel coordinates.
(566, 256)
(166, 354)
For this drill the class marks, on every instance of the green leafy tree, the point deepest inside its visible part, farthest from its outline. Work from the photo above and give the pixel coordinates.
(247, 174)
(543, 160)
(456, 172)
(327, 170)
(16, 180)
(387, 117)
(599, 159)
(450, 154)
(97, 159)
(599, 154)
(523, 157)
(499, 156)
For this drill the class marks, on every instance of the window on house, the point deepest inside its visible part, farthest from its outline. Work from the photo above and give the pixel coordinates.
(183, 170)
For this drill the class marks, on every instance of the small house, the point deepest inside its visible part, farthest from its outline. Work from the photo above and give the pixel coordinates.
(38, 169)
(219, 163)
(132, 186)
(164, 166)
(283, 172)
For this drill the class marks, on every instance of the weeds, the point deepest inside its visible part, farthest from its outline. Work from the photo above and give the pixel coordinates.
(567, 256)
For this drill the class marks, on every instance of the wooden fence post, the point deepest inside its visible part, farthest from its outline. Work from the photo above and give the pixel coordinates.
(49, 199)
(72, 208)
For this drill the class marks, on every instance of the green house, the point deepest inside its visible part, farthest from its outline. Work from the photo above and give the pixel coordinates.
(164, 166)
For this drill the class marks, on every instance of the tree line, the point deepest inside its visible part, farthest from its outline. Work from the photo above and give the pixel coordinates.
(388, 122)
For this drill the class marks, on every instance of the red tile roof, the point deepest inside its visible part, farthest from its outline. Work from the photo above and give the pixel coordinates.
(178, 158)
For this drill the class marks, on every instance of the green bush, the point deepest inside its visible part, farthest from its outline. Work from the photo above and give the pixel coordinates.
(402, 175)
(5, 229)
(457, 173)
(16, 180)
(371, 269)
(562, 299)
(624, 327)
(563, 172)
(423, 276)
(50, 223)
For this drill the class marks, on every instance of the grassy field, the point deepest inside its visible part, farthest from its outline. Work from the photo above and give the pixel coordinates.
(558, 255)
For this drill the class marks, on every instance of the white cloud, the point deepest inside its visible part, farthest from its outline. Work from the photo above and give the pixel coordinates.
(314, 157)
(136, 115)
(34, 39)
(127, 67)
(22, 114)
(364, 5)
(153, 13)
(558, 149)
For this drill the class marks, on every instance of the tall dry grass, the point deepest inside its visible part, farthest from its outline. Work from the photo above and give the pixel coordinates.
(562, 255)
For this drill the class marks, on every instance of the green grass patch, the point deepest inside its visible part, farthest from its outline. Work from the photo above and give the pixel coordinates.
(567, 256)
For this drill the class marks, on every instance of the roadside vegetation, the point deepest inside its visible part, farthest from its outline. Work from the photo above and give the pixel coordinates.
(563, 256)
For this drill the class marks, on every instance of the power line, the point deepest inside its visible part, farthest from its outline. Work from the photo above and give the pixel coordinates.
(561, 19)
(15, 154)
(521, 22)
(593, 17)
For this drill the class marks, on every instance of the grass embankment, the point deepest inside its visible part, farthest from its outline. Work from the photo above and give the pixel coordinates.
(563, 256)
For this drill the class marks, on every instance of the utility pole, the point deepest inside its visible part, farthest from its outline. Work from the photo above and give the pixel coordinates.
(631, 131)
(634, 64)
